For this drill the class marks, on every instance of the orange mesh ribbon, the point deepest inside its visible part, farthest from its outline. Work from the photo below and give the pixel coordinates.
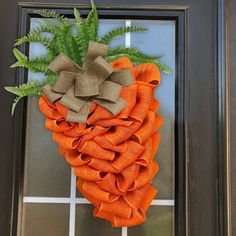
(113, 156)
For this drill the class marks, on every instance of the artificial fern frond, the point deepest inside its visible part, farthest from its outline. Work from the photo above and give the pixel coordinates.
(164, 68)
(77, 15)
(119, 32)
(48, 14)
(50, 26)
(51, 14)
(82, 38)
(22, 59)
(34, 36)
(31, 37)
(28, 89)
(63, 40)
(136, 57)
(91, 23)
(15, 102)
(19, 55)
(42, 28)
(87, 30)
(82, 45)
(38, 64)
(133, 52)
(136, 60)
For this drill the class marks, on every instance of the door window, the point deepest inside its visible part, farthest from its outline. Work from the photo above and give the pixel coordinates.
(51, 205)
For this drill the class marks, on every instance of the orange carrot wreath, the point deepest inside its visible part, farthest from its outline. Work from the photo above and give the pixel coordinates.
(99, 105)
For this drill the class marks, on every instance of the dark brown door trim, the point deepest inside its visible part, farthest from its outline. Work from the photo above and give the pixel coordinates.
(204, 199)
(224, 119)
(231, 73)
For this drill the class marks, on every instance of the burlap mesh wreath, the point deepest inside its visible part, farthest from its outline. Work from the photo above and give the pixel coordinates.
(113, 156)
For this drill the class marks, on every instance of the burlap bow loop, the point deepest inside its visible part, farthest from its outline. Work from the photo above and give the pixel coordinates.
(76, 88)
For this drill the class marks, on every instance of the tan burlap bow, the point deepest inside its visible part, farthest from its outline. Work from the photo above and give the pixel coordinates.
(77, 87)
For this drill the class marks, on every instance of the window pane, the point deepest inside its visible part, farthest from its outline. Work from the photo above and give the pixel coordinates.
(160, 223)
(45, 220)
(87, 225)
(48, 175)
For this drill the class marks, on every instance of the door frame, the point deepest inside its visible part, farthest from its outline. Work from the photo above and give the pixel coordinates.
(187, 213)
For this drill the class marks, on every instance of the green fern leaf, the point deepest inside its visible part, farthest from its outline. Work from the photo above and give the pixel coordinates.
(77, 15)
(48, 14)
(15, 102)
(164, 68)
(45, 27)
(51, 14)
(87, 30)
(81, 39)
(134, 52)
(31, 37)
(136, 57)
(17, 64)
(50, 26)
(75, 51)
(27, 89)
(119, 32)
(22, 59)
(38, 64)
(91, 23)
(63, 40)
(56, 30)
(19, 55)
(82, 45)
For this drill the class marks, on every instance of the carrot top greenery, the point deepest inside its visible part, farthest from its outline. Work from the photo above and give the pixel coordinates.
(63, 39)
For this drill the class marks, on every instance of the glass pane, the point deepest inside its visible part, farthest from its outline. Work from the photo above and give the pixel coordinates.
(86, 225)
(48, 178)
(160, 223)
(45, 220)
(46, 173)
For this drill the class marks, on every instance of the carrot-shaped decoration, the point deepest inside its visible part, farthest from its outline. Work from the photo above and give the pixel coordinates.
(114, 159)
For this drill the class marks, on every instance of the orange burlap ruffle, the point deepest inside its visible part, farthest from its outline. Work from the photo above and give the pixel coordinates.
(113, 157)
